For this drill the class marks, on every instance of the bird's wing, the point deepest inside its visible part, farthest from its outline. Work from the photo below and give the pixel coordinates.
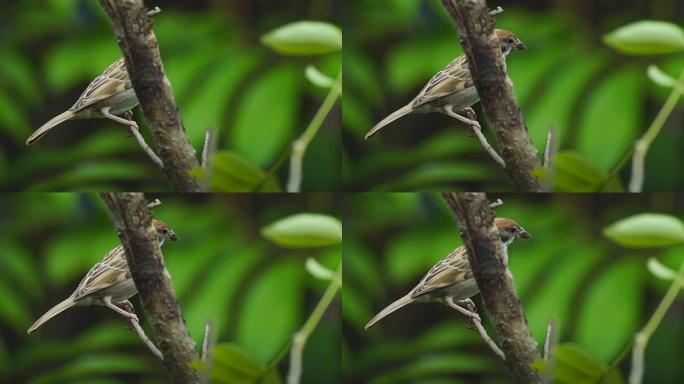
(112, 81)
(453, 78)
(111, 270)
(451, 270)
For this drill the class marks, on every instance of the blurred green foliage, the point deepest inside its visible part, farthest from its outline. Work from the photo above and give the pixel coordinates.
(597, 293)
(255, 293)
(222, 77)
(597, 100)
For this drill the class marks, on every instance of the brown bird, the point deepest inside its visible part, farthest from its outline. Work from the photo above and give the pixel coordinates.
(107, 283)
(451, 90)
(451, 280)
(109, 95)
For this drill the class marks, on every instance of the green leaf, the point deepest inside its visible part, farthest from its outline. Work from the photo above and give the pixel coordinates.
(574, 365)
(232, 365)
(318, 270)
(232, 173)
(271, 310)
(573, 173)
(304, 230)
(608, 320)
(267, 115)
(646, 37)
(318, 78)
(659, 270)
(659, 77)
(605, 137)
(646, 230)
(304, 38)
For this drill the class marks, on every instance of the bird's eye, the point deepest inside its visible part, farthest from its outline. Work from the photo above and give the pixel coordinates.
(510, 40)
(165, 231)
(512, 230)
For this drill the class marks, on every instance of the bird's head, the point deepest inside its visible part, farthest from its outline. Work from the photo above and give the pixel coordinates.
(509, 230)
(509, 42)
(164, 232)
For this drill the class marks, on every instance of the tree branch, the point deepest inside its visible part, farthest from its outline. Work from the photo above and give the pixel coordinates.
(476, 30)
(475, 221)
(139, 46)
(133, 218)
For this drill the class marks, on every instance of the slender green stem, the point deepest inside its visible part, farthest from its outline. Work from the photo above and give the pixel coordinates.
(299, 339)
(641, 339)
(642, 145)
(300, 145)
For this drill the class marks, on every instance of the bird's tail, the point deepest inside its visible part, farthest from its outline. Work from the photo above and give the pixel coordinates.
(405, 110)
(389, 309)
(47, 126)
(54, 311)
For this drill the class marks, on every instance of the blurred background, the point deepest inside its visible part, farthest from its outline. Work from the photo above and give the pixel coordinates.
(256, 293)
(598, 100)
(222, 78)
(598, 294)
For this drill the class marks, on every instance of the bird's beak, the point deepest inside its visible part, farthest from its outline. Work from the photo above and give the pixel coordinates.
(524, 234)
(174, 237)
(520, 46)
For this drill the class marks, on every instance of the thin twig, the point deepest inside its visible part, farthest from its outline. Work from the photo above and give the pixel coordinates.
(550, 340)
(488, 147)
(299, 339)
(154, 11)
(644, 143)
(496, 11)
(299, 146)
(150, 345)
(206, 344)
(141, 141)
(550, 150)
(496, 204)
(642, 337)
(488, 340)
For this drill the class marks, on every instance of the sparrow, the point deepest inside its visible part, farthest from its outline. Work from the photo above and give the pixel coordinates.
(451, 280)
(451, 90)
(107, 283)
(109, 95)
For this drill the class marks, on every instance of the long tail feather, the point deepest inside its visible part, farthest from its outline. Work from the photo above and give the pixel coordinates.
(54, 311)
(389, 309)
(47, 126)
(405, 110)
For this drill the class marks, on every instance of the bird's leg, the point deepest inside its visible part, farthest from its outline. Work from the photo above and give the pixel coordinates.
(107, 300)
(469, 113)
(477, 130)
(127, 306)
(128, 122)
(135, 131)
(469, 305)
(471, 122)
(473, 316)
(128, 115)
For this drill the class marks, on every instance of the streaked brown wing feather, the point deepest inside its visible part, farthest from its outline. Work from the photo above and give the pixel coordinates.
(451, 270)
(111, 270)
(453, 78)
(112, 81)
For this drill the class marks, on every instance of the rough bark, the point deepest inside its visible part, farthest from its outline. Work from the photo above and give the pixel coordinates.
(139, 46)
(476, 31)
(475, 221)
(133, 224)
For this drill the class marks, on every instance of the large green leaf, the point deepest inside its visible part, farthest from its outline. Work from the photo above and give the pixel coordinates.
(273, 303)
(267, 115)
(230, 364)
(646, 37)
(646, 230)
(304, 38)
(304, 230)
(573, 365)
